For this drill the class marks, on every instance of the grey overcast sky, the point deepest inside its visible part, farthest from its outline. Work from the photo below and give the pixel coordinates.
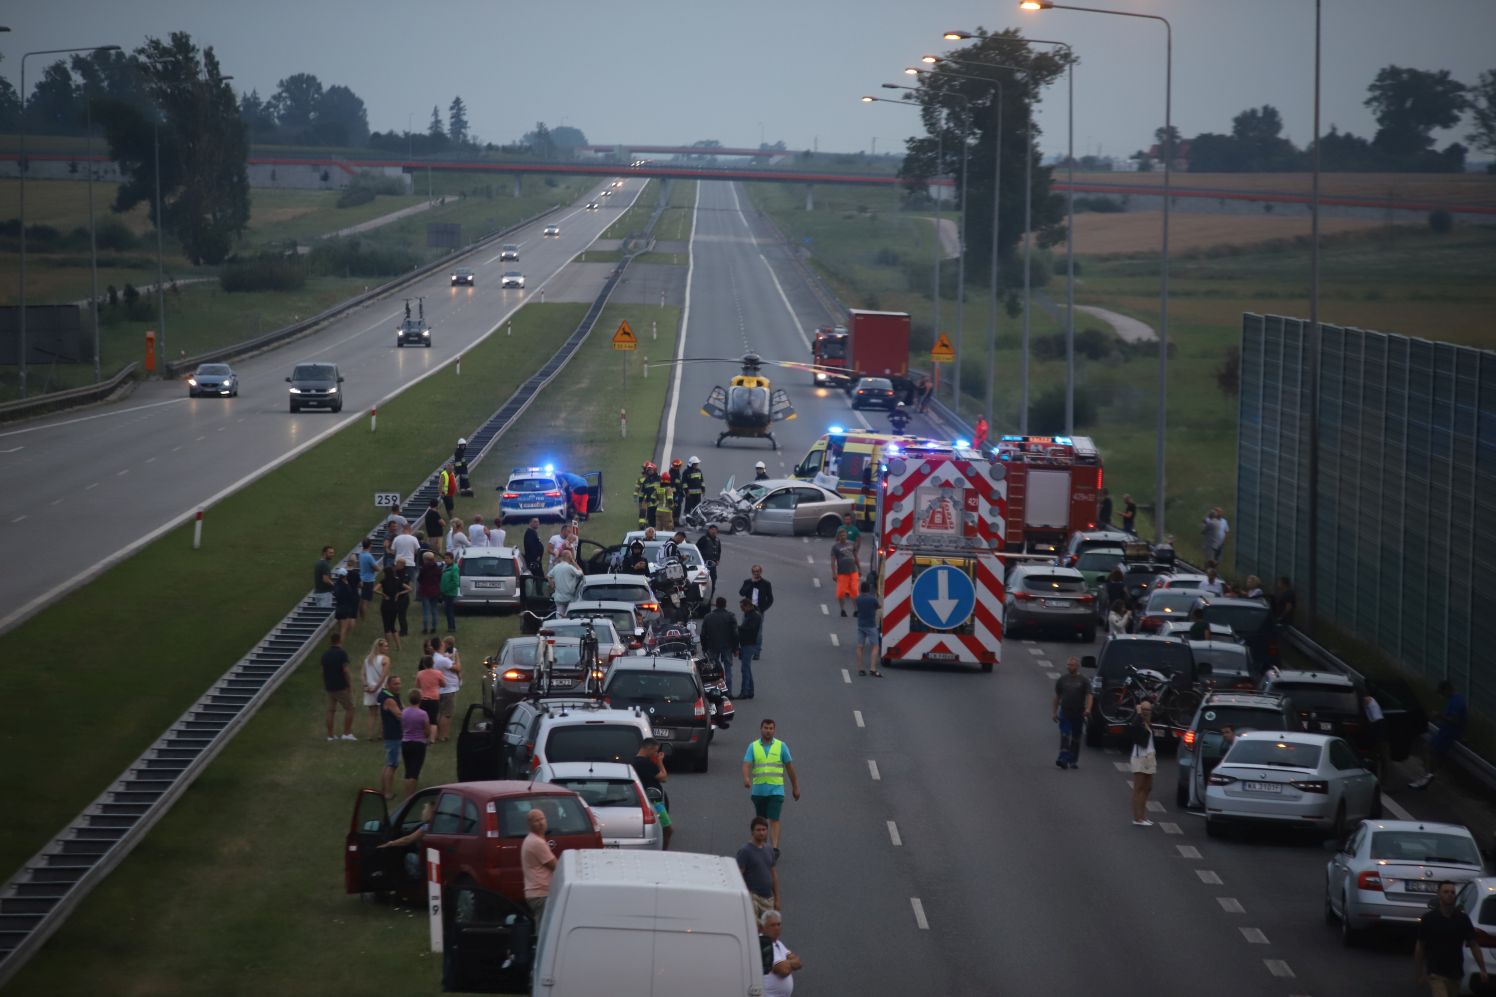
(675, 71)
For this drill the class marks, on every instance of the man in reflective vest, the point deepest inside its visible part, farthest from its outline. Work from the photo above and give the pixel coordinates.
(446, 486)
(765, 765)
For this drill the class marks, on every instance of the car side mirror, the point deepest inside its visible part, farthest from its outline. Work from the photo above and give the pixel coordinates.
(340, 378)
(288, 380)
(1089, 661)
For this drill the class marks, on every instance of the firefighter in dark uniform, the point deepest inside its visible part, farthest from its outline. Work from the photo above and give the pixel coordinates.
(899, 418)
(664, 496)
(644, 493)
(760, 473)
(460, 465)
(677, 486)
(693, 486)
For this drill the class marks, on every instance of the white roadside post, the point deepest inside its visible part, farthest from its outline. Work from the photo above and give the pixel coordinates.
(459, 365)
(373, 417)
(623, 423)
(197, 529)
(434, 896)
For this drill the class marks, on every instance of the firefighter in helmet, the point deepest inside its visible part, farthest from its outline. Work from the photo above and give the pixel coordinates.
(693, 486)
(760, 473)
(677, 486)
(644, 493)
(460, 465)
(899, 418)
(664, 495)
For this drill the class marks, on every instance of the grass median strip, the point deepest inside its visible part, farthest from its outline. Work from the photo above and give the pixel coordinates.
(253, 851)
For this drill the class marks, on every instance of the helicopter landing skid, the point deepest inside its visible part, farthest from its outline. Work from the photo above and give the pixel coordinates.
(765, 436)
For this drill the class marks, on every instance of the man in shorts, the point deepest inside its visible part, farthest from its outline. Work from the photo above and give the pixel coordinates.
(389, 728)
(765, 764)
(844, 570)
(650, 765)
(868, 637)
(338, 686)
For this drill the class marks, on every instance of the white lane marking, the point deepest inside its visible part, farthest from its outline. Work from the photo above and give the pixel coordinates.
(122, 472)
(857, 714)
(18, 519)
(1398, 810)
(846, 676)
(872, 770)
(222, 428)
(919, 914)
(1123, 766)
(1051, 675)
(794, 319)
(1188, 851)
(1278, 968)
(1043, 662)
(176, 448)
(825, 609)
(1169, 827)
(199, 439)
(804, 540)
(14, 449)
(94, 484)
(1254, 936)
(150, 460)
(816, 582)
(835, 641)
(1231, 905)
(1035, 650)
(1030, 643)
(1208, 877)
(57, 501)
(1155, 807)
(893, 835)
(89, 418)
(685, 328)
(809, 559)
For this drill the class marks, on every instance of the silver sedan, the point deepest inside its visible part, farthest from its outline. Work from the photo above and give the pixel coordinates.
(1296, 779)
(1389, 871)
(790, 507)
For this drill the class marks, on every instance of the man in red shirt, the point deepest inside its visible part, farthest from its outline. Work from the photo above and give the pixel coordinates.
(538, 862)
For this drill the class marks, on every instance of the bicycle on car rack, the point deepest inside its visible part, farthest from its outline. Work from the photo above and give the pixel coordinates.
(1172, 705)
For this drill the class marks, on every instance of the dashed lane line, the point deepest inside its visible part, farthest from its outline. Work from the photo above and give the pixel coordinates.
(1155, 807)
(1052, 675)
(1188, 851)
(893, 835)
(825, 609)
(122, 472)
(1398, 810)
(815, 582)
(856, 714)
(846, 676)
(1231, 905)
(1253, 936)
(1123, 766)
(56, 501)
(18, 519)
(872, 770)
(1169, 827)
(809, 559)
(1209, 877)
(1036, 650)
(1278, 968)
(919, 914)
(835, 641)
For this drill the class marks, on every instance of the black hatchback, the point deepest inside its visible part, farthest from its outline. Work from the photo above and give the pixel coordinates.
(670, 691)
(316, 385)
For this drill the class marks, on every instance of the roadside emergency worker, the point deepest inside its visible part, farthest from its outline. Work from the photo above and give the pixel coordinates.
(693, 485)
(765, 765)
(460, 465)
(659, 506)
(677, 487)
(759, 472)
(899, 418)
(644, 493)
(446, 486)
(576, 489)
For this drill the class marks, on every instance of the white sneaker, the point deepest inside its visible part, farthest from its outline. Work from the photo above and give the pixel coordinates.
(349, 737)
(1421, 782)
(1142, 823)
(332, 739)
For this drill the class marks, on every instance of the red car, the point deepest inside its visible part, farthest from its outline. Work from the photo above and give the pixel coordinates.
(476, 826)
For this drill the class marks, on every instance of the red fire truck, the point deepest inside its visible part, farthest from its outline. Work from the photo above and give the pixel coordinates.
(939, 521)
(1053, 485)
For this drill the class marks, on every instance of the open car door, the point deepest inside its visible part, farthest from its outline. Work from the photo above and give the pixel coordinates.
(478, 746)
(535, 597)
(1403, 712)
(487, 942)
(367, 869)
(716, 403)
(594, 492)
(780, 408)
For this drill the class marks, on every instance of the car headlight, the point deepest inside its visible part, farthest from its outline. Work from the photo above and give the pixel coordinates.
(192, 381)
(332, 390)
(426, 333)
(295, 391)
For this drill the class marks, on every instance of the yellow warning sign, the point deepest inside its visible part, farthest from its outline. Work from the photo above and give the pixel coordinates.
(624, 339)
(943, 351)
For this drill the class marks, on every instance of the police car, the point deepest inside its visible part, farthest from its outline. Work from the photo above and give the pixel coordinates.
(531, 492)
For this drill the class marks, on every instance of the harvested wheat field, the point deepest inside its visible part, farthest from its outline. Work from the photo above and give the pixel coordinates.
(1453, 190)
(1142, 231)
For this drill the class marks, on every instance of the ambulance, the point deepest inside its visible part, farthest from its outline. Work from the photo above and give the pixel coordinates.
(939, 519)
(847, 462)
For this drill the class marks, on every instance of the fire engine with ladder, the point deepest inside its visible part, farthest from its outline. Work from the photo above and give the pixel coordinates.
(940, 518)
(1053, 490)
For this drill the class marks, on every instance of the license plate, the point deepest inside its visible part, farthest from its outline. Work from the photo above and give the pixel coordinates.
(1162, 732)
(1325, 726)
(1057, 603)
(1263, 787)
(562, 683)
(532, 505)
(664, 733)
(1421, 885)
(611, 844)
(940, 656)
(486, 585)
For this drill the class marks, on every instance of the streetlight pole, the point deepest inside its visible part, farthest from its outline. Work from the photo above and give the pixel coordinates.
(93, 243)
(160, 253)
(25, 168)
(1160, 482)
(1311, 601)
(961, 240)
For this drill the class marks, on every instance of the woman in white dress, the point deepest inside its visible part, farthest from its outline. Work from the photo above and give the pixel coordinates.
(376, 670)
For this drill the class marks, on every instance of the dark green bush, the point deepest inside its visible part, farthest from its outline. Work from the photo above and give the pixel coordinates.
(350, 258)
(354, 196)
(263, 273)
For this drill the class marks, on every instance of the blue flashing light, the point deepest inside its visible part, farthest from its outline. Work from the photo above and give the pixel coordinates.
(837, 430)
(1012, 439)
(1064, 441)
(963, 444)
(550, 469)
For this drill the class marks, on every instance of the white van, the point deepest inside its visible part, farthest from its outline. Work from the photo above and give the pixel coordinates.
(703, 938)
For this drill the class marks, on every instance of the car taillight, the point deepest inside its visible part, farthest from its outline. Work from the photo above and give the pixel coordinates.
(651, 607)
(1088, 597)
(552, 494)
(698, 709)
(490, 827)
(1098, 478)
(1022, 596)
(649, 810)
(1369, 881)
(515, 675)
(1189, 738)
(534, 761)
(1152, 621)
(1220, 780)
(511, 495)
(1311, 785)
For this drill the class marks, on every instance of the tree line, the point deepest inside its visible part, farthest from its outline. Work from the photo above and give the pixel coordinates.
(1409, 105)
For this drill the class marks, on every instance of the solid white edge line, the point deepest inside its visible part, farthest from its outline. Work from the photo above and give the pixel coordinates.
(893, 835)
(872, 769)
(919, 914)
(1398, 810)
(794, 319)
(685, 328)
(20, 614)
(90, 418)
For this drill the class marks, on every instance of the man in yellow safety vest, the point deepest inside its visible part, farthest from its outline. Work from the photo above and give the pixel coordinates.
(765, 764)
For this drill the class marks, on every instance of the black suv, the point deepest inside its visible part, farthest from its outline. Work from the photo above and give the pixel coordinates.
(1201, 745)
(1331, 703)
(1252, 619)
(670, 691)
(1170, 656)
(315, 385)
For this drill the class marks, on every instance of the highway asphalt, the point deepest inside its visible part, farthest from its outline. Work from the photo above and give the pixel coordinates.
(98, 483)
(937, 849)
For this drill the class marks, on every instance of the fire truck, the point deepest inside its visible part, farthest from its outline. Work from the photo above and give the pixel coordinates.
(939, 523)
(1053, 485)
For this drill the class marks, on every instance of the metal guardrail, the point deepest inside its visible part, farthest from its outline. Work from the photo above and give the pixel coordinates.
(23, 407)
(39, 898)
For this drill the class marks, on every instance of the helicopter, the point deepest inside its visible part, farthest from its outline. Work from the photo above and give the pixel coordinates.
(749, 405)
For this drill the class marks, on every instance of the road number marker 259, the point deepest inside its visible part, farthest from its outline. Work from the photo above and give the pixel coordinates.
(383, 500)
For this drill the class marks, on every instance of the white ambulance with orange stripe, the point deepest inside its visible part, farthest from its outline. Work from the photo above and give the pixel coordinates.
(940, 516)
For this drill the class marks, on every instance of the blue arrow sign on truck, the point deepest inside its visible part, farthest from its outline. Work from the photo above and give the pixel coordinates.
(943, 597)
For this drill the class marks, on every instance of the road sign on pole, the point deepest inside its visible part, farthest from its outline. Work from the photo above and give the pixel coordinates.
(943, 597)
(943, 351)
(624, 338)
